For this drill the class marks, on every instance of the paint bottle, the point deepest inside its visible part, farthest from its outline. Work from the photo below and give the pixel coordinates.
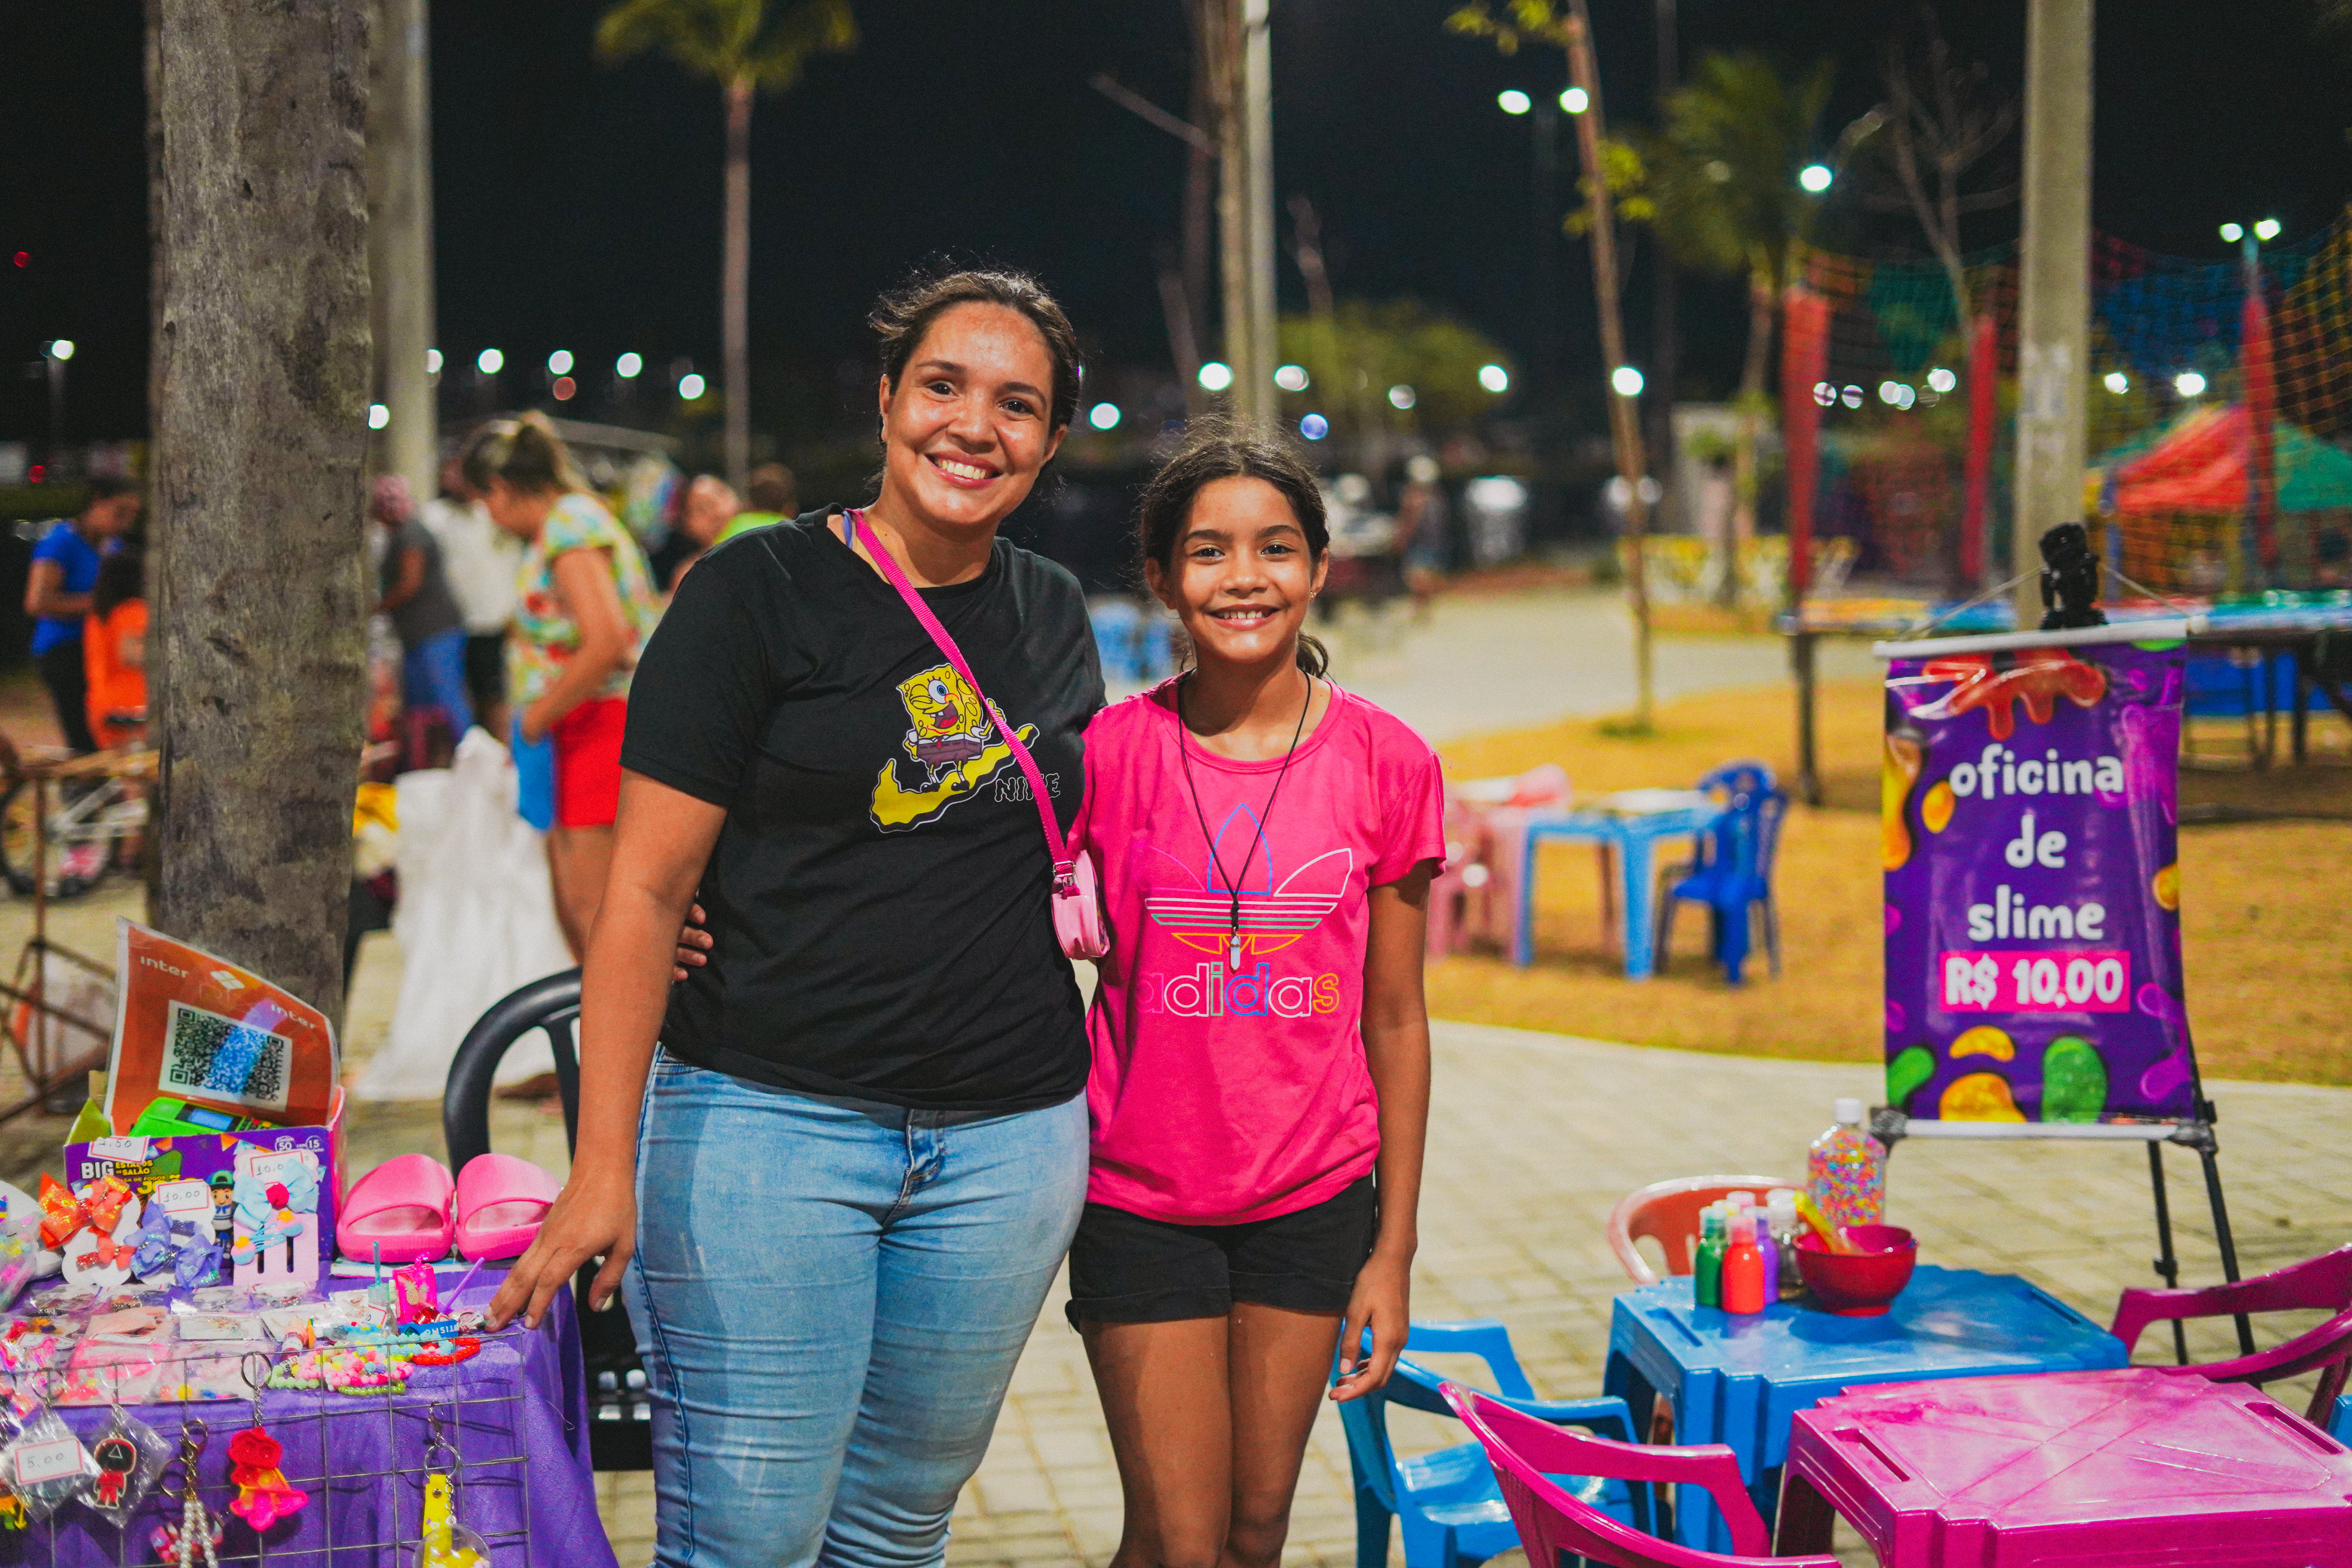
(1706, 1268)
(1780, 1212)
(1743, 1270)
(1768, 1249)
(1846, 1172)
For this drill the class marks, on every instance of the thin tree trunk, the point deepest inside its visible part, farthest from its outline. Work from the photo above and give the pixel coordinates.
(735, 284)
(261, 376)
(1760, 311)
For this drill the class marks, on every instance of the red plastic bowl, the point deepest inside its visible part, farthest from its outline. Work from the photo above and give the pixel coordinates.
(1858, 1284)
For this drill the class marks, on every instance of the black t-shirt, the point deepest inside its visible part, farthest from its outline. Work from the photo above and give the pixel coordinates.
(878, 893)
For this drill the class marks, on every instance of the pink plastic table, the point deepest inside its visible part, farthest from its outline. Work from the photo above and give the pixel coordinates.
(2087, 1468)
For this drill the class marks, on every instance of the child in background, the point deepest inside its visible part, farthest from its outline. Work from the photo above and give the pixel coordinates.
(114, 648)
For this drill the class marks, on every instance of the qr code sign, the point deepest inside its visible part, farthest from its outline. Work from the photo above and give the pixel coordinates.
(215, 1058)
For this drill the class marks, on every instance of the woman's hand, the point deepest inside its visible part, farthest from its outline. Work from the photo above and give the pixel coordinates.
(537, 720)
(595, 1216)
(1380, 1302)
(693, 944)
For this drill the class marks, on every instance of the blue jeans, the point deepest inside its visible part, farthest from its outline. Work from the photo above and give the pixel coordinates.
(432, 675)
(829, 1297)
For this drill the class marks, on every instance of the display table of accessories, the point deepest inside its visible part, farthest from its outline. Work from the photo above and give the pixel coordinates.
(471, 1450)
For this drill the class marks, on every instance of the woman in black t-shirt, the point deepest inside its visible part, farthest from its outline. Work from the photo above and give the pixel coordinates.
(841, 1187)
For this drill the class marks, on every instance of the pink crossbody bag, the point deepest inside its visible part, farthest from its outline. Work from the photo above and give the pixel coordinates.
(1076, 902)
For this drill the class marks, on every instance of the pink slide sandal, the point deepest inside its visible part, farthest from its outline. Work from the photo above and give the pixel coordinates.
(501, 1201)
(403, 1208)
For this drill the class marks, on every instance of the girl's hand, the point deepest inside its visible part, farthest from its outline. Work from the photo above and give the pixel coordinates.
(693, 942)
(595, 1216)
(1380, 1302)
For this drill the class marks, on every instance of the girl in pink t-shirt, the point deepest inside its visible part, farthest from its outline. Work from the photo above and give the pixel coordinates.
(1260, 1086)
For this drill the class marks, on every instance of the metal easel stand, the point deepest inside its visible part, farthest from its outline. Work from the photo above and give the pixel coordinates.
(1891, 1126)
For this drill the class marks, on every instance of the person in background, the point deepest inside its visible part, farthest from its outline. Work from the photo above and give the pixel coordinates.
(1423, 531)
(114, 648)
(478, 561)
(57, 596)
(413, 591)
(585, 603)
(774, 496)
(702, 521)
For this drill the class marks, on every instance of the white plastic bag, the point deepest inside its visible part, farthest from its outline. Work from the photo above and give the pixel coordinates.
(475, 920)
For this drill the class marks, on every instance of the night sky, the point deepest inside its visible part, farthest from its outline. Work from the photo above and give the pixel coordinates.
(578, 204)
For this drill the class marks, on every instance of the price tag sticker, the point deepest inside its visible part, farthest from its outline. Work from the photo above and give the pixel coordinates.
(127, 1149)
(184, 1200)
(57, 1459)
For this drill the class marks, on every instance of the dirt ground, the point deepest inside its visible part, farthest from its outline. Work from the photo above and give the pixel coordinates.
(2265, 903)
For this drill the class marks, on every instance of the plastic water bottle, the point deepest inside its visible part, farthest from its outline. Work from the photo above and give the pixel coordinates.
(1743, 1270)
(1846, 1170)
(1706, 1268)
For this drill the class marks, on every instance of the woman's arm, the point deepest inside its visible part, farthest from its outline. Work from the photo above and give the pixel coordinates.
(411, 580)
(1396, 1047)
(584, 586)
(661, 843)
(45, 594)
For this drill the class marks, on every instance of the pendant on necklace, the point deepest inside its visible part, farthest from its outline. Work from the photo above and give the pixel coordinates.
(1234, 954)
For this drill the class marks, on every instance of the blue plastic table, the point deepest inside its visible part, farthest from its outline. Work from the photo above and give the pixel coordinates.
(1630, 834)
(1739, 1380)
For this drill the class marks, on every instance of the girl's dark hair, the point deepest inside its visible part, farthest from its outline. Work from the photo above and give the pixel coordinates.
(904, 314)
(1211, 453)
(121, 577)
(527, 453)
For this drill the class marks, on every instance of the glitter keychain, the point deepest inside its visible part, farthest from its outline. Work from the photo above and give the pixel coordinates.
(445, 1543)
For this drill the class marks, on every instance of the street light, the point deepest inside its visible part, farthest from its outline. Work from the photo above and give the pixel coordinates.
(1494, 379)
(433, 361)
(378, 417)
(1815, 177)
(62, 350)
(1314, 426)
(1291, 378)
(1215, 376)
(628, 367)
(2117, 383)
(2267, 230)
(560, 363)
(1941, 381)
(2189, 384)
(2232, 233)
(489, 362)
(1104, 417)
(691, 386)
(1626, 381)
(1402, 397)
(1575, 99)
(1513, 102)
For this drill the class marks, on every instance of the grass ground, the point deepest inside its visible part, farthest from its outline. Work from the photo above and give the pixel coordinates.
(2265, 904)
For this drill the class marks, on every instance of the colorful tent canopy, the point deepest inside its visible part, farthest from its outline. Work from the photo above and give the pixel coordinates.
(2198, 464)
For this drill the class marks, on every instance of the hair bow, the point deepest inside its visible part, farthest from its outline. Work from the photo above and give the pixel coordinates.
(105, 1252)
(152, 1246)
(200, 1256)
(97, 1207)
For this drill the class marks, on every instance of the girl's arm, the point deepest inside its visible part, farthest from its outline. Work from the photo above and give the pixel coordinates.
(1396, 1046)
(45, 597)
(661, 842)
(583, 586)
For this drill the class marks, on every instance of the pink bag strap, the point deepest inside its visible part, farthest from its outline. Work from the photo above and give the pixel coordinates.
(1055, 843)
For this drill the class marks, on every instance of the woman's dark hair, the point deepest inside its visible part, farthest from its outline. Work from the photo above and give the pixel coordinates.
(121, 577)
(527, 453)
(1211, 453)
(904, 314)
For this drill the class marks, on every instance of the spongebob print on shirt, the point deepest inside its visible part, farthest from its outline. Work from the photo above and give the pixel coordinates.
(955, 744)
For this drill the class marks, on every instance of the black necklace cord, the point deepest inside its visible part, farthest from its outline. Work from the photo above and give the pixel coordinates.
(1233, 928)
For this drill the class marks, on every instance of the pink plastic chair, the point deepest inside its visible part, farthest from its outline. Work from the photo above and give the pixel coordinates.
(1667, 1212)
(2321, 1284)
(1477, 895)
(1525, 1453)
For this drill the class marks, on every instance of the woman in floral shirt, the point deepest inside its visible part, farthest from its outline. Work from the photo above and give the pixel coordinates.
(586, 603)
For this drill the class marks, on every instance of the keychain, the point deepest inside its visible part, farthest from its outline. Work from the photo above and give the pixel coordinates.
(131, 1456)
(447, 1543)
(197, 1536)
(264, 1496)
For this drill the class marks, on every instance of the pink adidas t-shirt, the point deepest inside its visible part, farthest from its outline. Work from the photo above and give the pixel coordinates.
(1221, 1096)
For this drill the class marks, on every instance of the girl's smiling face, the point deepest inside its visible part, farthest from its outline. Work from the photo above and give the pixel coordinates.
(1242, 574)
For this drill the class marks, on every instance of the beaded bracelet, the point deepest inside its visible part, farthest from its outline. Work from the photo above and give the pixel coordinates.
(464, 1348)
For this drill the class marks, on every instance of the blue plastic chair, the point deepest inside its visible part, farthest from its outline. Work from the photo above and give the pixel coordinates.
(1448, 1503)
(1117, 623)
(1733, 875)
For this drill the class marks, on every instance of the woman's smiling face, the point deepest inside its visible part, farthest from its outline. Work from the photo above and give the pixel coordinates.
(1242, 575)
(968, 426)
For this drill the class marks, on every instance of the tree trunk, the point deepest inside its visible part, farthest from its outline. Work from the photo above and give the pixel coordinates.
(261, 375)
(1751, 405)
(735, 284)
(1199, 192)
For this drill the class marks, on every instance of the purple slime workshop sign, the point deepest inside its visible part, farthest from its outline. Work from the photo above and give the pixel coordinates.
(2030, 814)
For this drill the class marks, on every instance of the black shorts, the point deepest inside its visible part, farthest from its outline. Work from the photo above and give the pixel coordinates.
(1127, 1269)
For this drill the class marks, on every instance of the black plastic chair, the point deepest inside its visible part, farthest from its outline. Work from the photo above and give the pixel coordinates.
(620, 1434)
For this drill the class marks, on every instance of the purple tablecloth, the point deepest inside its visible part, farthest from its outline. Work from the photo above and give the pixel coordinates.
(515, 1417)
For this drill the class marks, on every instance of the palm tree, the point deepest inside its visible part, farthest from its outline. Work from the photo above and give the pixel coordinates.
(745, 46)
(1722, 182)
